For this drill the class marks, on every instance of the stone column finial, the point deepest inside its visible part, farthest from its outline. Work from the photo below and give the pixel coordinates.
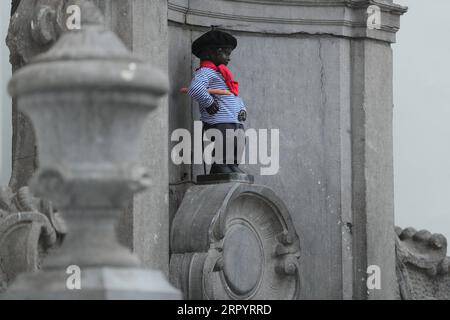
(88, 98)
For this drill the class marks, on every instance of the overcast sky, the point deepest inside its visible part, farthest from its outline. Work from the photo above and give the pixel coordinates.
(422, 116)
(421, 123)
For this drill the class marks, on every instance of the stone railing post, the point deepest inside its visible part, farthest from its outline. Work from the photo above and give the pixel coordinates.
(88, 98)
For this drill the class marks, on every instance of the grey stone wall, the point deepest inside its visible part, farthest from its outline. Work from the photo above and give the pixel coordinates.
(325, 81)
(142, 25)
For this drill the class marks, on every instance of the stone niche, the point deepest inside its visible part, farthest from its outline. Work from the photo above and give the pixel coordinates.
(313, 70)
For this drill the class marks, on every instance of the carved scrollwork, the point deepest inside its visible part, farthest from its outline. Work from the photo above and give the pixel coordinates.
(35, 25)
(29, 229)
(234, 241)
(422, 264)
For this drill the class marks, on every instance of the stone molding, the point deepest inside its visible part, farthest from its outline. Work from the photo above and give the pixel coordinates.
(338, 18)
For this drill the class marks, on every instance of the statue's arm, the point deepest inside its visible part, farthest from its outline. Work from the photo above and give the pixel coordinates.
(198, 89)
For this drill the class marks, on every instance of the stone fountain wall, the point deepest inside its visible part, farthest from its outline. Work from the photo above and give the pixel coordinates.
(311, 69)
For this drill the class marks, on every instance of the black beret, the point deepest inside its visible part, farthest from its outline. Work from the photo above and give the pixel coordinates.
(213, 39)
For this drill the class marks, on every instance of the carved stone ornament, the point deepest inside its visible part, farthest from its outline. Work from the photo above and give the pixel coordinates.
(234, 241)
(422, 265)
(346, 18)
(29, 229)
(35, 25)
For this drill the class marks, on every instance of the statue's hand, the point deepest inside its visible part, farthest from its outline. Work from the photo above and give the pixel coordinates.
(213, 109)
(242, 117)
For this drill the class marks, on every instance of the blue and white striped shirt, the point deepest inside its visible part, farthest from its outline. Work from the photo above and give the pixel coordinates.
(229, 106)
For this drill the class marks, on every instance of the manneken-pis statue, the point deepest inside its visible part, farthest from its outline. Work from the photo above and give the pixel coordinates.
(218, 111)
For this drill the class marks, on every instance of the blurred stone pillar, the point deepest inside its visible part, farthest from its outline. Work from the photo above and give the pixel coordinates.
(89, 108)
(142, 26)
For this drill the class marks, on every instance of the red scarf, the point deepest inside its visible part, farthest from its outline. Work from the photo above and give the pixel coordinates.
(226, 74)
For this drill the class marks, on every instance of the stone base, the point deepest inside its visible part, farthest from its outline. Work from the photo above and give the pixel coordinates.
(225, 178)
(239, 245)
(96, 284)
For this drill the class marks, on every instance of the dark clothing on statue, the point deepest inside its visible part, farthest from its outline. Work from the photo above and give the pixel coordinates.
(224, 167)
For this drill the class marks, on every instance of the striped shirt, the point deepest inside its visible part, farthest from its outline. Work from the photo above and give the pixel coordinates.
(229, 106)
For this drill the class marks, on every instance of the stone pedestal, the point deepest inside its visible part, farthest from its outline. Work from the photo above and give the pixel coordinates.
(225, 178)
(324, 79)
(423, 268)
(30, 230)
(318, 73)
(142, 26)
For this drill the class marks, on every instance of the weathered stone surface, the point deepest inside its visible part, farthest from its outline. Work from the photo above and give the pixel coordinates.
(89, 109)
(142, 26)
(234, 241)
(22, 48)
(323, 79)
(151, 208)
(312, 70)
(29, 230)
(423, 269)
